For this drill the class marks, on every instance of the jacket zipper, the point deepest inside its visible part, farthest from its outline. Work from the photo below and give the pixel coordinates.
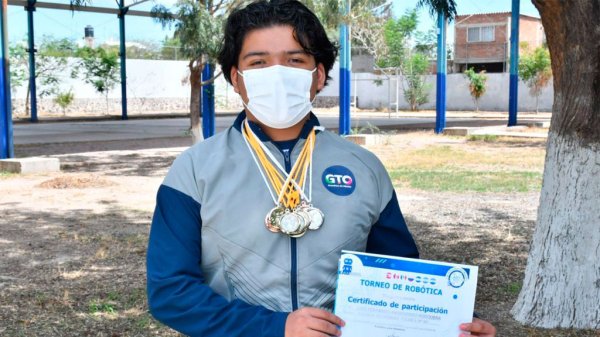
(294, 253)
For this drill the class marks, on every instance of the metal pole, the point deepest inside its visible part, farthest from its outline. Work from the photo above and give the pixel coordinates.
(345, 75)
(440, 94)
(514, 64)
(6, 132)
(208, 102)
(123, 55)
(31, 45)
(389, 84)
(397, 91)
(208, 94)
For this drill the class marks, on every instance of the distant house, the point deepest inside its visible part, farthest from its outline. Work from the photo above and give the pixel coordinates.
(482, 41)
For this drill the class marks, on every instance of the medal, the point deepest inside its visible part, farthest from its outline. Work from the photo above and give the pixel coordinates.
(293, 214)
(291, 223)
(272, 219)
(302, 211)
(316, 218)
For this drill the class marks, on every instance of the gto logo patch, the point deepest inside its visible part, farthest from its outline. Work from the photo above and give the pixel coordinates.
(339, 180)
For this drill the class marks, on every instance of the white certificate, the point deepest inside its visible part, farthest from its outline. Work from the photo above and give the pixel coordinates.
(386, 296)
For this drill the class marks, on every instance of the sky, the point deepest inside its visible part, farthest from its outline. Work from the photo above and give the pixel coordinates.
(64, 24)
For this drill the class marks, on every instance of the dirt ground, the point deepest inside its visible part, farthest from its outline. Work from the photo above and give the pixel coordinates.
(72, 244)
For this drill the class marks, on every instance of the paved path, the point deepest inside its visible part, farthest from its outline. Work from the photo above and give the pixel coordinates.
(136, 129)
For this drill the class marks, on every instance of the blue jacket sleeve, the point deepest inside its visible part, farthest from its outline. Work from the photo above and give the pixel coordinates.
(390, 235)
(177, 294)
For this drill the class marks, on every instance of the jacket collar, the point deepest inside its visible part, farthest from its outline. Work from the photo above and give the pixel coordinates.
(306, 128)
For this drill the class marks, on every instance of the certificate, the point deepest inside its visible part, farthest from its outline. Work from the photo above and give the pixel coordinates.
(386, 296)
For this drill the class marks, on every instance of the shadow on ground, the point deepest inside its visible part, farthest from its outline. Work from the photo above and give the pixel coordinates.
(32, 150)
(75, 274)
(119, 164)
(498, 242)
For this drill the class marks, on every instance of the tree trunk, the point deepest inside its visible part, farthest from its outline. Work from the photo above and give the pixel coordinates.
(195, 106)
(562, 278)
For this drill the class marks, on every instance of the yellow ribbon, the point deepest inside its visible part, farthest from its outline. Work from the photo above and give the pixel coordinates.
(291, 197)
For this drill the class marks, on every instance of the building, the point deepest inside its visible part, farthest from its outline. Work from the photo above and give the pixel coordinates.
(482, 41)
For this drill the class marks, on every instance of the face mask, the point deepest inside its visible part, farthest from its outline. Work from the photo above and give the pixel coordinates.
(278, 96)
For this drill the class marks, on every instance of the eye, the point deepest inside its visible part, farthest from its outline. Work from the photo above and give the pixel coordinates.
(256, 63)
(297, 60)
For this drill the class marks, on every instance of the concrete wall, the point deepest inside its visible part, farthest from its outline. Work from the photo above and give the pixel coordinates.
(161, 86)
(371, 96)
(152, 86)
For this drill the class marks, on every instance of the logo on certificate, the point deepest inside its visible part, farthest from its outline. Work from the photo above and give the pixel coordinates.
(456, 277)
(347, 269)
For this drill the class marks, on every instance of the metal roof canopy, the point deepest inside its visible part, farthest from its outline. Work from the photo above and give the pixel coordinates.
(93, 9)
(122, 10)
(6, 136)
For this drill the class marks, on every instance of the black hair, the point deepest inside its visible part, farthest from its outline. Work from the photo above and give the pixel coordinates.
(308, 31)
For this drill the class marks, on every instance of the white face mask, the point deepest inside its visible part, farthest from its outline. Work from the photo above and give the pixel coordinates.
(278, 96)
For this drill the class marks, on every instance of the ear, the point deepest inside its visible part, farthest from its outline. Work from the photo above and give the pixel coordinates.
(234, 79)
(321, 77)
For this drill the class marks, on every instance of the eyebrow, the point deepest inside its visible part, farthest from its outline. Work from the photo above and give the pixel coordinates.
(255, 53)
(297, 51)
(264, 53)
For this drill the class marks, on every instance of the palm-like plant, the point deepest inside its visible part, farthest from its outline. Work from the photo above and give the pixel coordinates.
(448, 7)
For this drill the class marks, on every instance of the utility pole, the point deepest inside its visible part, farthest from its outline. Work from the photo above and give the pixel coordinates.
(6, 132)
(345, 73)
(440, 93)
(513, 93)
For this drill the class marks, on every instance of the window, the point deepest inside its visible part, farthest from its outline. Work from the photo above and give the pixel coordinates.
(487, 33)
(480, 34)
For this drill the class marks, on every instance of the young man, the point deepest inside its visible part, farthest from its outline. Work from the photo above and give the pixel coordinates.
(249, 224)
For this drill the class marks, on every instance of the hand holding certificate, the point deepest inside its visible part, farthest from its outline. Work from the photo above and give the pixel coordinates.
(384, 296)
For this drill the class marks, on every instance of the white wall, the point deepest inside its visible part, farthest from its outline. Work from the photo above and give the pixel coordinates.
(145, 78)
(371, 96)
(158, 79)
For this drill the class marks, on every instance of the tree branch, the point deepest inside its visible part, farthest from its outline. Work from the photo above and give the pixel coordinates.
(211, 80)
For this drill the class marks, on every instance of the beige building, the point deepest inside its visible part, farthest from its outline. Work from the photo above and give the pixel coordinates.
(482, 41)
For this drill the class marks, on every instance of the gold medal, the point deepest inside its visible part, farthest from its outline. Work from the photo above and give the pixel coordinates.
(299, 234)
(302, 211)
(292, 215)
(303, 225)
(272, 219)
(290, 223)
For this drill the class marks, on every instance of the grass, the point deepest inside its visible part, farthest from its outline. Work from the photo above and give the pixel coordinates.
(143, 322)
(483, 138)
(469, 169)
(478, 156)
(512, 288)
(467, 180)
(6, 174)
(97, 306)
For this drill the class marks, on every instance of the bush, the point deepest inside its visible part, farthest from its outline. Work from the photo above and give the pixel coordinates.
(64, 99)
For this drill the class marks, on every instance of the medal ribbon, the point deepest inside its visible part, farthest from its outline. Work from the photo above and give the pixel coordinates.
(291, 188)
